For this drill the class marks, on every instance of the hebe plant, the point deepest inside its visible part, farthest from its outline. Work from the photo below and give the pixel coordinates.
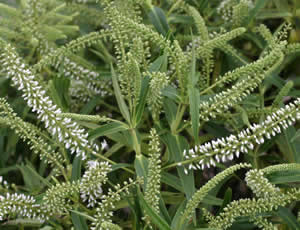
(140, 114)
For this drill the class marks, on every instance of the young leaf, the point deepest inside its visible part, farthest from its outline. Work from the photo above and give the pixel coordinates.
(259, 4)
(59, 90)
(290, 149)
(79, 222)
(142, 100)
(158, 19)
(141, 167)
(76, 169)
(227, 200)
(107, 129)
(178, 214)
(287, 216)
(120, 100)
(194, 97)
(156, 219)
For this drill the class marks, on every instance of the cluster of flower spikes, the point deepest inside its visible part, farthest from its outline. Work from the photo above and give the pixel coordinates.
(30, 134)
(92, 181)
(103, 212)
(128, 27)
(21, 205)
(153, 184)
(158, 81)
(226, 7)
(84, 92)
(199, 195)
(66, 130)
(31, 14)
(268, 198)
(250, 77)
(83, 78)
(259, 184)
(57, 199)
(252, 207)
(224, 149)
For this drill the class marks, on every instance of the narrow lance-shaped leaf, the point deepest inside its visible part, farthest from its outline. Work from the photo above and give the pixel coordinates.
(194, 96)
(157, 220)
(120, 100)
(158, 19)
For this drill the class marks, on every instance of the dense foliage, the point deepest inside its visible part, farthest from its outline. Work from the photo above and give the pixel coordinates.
(140, 114)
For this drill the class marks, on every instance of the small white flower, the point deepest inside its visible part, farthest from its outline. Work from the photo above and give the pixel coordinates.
(104, 145)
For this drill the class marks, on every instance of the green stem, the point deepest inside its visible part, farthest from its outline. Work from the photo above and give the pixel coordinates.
(136, 144)
(255, 157)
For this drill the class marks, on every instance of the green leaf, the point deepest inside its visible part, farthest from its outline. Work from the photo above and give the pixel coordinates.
(282, 5)
(175, 182)
(259, 4)
(171, 93)
(194, 101)
(275, 80)
(155, 66)
(136, 213)
(194, 97)
(243, 223)
(141, 167)
(227, 200)
(286, 215)
(291, 150)
(158, 19)
(121, 138)
(6, 170)
(183, 19)
(59, 88)
(79, 222)
(216, 129)
(119, 166)
(32, 179)
(156, 219)
(284, 177)
(171, 180)
(296, 136)
(76, 169)
(142, 99)
(88, 107)
(178, 214)
(163, 210)
(268, 14)
(120, 100)
(36, 176)
(170, 110)
(68, 29)
(176, 145)
(52, 34)
(9, 11)
(113, 149)
(192, 75)
(107, 129)
(203, 5)
(212, 200)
